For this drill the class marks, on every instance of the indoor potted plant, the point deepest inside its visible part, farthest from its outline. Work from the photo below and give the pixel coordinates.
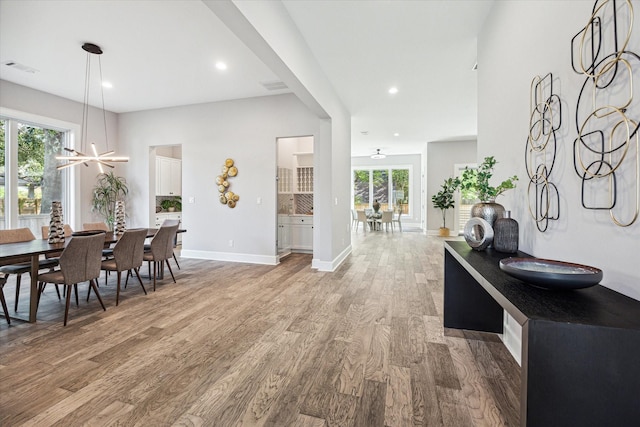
(476, 181)
(107, 190)
(172, 204)
(444, 201)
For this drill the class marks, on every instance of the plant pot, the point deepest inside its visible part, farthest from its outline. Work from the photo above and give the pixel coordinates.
(444, 232)
(489, 211)
(171, 209)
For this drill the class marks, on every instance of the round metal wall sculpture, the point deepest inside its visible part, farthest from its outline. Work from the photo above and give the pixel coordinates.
(540, 151)
(606, 153)
(227, 197)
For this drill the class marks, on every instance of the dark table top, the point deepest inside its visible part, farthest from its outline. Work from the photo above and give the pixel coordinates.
(597, 305)
(42, 246)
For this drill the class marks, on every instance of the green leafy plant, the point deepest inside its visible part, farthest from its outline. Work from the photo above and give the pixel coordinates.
(108, 189)
(443, 199)
(476, 181)
(172, 202)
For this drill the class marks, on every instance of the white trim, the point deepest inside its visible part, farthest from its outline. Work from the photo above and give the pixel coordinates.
(230, 257)
(331, 265)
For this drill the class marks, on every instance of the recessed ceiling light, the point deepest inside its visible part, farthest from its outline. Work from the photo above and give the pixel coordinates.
(393, 90)
(221, 65)
(108, 85)
(396, 134)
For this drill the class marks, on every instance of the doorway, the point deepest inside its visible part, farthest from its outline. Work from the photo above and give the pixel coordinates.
(295, 184)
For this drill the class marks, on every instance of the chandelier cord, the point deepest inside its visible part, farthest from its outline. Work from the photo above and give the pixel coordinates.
(104, 112)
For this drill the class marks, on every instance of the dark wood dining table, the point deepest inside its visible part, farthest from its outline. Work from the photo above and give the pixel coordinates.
(38, 247)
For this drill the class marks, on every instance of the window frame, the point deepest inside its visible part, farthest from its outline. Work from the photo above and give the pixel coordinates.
(70, 179)
(389, 169)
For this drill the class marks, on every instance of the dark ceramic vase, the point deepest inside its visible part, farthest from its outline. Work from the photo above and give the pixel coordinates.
(505, 234)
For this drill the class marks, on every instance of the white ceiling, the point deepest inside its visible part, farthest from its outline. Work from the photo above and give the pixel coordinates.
(163, 53)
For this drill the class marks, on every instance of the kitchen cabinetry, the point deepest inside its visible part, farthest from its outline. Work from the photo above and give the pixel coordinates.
(301, 227)
(284, 234)
(168, 176)
(161, 216)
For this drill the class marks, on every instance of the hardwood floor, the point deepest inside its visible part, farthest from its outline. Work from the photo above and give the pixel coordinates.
(237, 344)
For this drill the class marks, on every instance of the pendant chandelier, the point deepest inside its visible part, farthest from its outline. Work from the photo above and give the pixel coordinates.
(79, 157)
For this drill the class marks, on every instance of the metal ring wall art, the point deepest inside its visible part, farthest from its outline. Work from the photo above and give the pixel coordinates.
(606, 153)
(227, 197)
(540, 151)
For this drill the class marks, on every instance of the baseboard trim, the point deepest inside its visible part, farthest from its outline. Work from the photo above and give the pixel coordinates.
(230, 257)
(331, 265)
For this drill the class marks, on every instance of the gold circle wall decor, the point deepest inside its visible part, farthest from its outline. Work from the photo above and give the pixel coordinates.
(227, 197)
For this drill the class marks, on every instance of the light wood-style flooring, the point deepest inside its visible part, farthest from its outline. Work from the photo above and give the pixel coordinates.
(237, 344)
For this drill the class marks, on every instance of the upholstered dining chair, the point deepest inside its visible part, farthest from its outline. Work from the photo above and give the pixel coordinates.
(354, 219)
(107, 252)
(19, 266)
(169, 222)
(3, 280)
(95, 226)
(80, 262)
(362, 218)
(385, 219)
(127, 256)
(161, 250)
(396, 219)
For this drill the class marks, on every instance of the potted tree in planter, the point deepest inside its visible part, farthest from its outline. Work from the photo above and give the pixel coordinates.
(108, 189)
(444, 201)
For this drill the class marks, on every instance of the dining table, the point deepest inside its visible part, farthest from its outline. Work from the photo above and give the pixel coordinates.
(36, 248)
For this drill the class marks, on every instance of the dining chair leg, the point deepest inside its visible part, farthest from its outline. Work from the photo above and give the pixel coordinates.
(4, 306)
(94, 285)
(139, 279)
(176, 260)
(17, 291)
(170, 271)
(75, 290)
(118, 288)
(155, 267)
(57, 291)
(66, 307)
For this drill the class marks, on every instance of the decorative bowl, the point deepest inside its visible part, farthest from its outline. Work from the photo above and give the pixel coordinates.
(551, 274)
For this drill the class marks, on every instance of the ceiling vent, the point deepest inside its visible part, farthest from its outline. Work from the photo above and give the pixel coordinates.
(21, 67)
(275, 85)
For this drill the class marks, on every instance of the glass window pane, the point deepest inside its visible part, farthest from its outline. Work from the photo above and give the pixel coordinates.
(400, 194)
(2, 172)
(360, 189)
(381, 188)
(39, 182)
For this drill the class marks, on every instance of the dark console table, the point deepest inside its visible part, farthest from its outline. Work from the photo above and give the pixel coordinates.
(580, 349)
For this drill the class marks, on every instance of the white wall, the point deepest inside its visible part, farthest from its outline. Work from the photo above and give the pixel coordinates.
(244, 130)
(441, 158)
(415, 190)
(513, 48)
(267, 29)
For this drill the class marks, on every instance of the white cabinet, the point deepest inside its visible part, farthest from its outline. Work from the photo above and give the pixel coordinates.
(284, 234)
(168, 176)
(301, 227)
(161, 216)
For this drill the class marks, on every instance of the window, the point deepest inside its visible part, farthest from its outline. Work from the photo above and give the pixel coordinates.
(464, 200)
(390, 187)
(29, 179)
